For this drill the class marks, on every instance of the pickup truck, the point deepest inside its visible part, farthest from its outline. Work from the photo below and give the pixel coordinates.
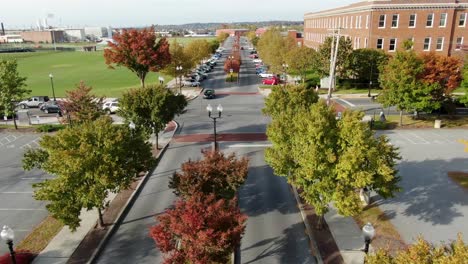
(34, 101)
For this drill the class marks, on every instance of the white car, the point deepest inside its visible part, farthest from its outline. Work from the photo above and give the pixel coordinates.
(111, 107)
(265, 75)
(189, 83)
(257, 60)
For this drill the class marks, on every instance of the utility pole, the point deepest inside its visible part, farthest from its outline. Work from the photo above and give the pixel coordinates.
(333, 55)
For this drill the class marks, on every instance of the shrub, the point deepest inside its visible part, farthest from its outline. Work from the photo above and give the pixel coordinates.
(22, 257)
(49, 128)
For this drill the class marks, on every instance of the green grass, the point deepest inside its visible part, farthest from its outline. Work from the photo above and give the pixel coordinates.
(184, 41)
(40, 237)
(69, 68)
(393, 121)
(459, 177)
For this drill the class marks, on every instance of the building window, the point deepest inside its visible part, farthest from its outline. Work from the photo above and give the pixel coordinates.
(443, 20)
(367, 21)
(346, 22)
(382, 21)
(459, 43)
(365, 43)
(412, 42)
(412, 21)
(380, 43)
(351, 22)
(392, 45)
(358, 43)
(360, 20)
(430, 20)
(462, 21)
(427, 44)
(440, 43)
(395, 21)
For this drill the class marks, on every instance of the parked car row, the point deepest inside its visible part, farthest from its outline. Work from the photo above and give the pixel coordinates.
(201, 72)
(262, 70)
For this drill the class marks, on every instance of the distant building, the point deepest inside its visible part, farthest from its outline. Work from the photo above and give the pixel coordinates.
(11, 39)
(163, 33)
(98, 32)
(260, 31)
(297, 36)
(48, 36)
(231, 32)
(75, 35)
(432, 25)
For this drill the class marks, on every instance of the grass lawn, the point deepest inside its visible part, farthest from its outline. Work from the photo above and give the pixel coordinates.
(459, 177)
(393, 121)
(186, 40)
(40, 237)
(69, 68)
(386, 234)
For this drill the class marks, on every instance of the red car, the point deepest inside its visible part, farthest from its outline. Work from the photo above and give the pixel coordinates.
(271, 81)
(253, 56)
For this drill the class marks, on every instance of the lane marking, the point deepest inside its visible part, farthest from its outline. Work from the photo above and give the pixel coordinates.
(37, 179)
(421, 138)
(21, 209)
(16, 192)
(347, 102)
(249, 145)
(404, 137)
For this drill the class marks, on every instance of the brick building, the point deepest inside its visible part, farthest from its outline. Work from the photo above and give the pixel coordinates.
(232, 32)
(51, 36)
(432, 25)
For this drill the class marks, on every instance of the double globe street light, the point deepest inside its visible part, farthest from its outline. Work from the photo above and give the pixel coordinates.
(52, 84)
(179, 69)
(209, 109)
(368, 232)
(8, 235)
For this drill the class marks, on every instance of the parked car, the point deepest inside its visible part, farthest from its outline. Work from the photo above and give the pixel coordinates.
(266, 75)
(192, 84)
(253, 52)
(257, 60)
(271, 81)
(253, 56)
(111, 107)
(34, 101)
(51, 107)
(209, 94)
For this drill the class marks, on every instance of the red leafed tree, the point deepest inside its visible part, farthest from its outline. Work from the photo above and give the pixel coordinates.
(200, 230)
(215, 174)
(443, 70)
(139, 51)
(81, 105)
(233, 64)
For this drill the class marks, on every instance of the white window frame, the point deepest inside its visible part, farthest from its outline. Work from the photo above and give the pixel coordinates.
(457, 47)
(358, 42)
(445, 20)
(367, 21)
(360, 21)
(460, 19)
(415, 18)
(432, 20)
(394, 45)
(384, 21)
(397, 20)
(351, 22)
(382, 44)
(442, 44)
(346, 22)
(357, 22)
(428, 45)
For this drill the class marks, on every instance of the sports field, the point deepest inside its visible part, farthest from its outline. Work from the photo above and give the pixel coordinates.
(69, 68)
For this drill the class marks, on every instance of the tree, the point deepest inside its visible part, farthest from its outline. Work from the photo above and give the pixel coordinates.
(402, 86)
(215, 174)
(364, 65)
(443, 70)
(301, 60)
(464, 84)
(151, 108)
(199, 230)
(82, 105)
(222, 37)
(282, 105)
(342, 58)
(198, 50)
(422, 251)
(252, 36)
(139, 51)
(272, 48)
(335, 158)
(179, 57)
(88, 161)
(11, 87)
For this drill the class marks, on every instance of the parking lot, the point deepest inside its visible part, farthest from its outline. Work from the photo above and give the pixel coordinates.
(18, 209)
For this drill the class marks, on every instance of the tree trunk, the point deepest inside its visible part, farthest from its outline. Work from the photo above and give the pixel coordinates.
(142, 81)
(157, 140)
(14, 121)
(401, 117)
(101, 219)
(320, 222)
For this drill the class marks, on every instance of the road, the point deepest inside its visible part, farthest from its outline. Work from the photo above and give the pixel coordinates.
(275, 232)
(18, 209)
(430, 204)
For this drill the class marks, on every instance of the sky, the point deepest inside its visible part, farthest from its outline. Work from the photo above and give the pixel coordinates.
(120, 13)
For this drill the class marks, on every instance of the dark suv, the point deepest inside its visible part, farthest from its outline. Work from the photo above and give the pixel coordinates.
(209, 94)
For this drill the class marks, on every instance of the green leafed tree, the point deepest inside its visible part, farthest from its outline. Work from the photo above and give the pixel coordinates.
(87, 161)
(12, 88)
(151, 108)
(464, 84)
(198, 50)
(365, 64)
(81, 105)
(179, 57)
(222, 37)
(282, 105)
(215, 174)
(301, 60)
(272, 48)
(345, 49)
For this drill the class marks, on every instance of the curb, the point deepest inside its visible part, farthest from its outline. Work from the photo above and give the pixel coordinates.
(127, 206)
(313, 244)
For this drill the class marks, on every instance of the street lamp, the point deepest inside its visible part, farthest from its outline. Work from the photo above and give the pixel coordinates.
(209, 109)
(179, 69)
(368, 232)
(132, 125)
(52, 83)
(285, 68)
(8, 235)
(230, 65)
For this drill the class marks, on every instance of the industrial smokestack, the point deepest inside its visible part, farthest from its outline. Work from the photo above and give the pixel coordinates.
(3, 30)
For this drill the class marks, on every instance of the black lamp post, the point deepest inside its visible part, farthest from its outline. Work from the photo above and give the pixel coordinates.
(8, 235)
(368, 232)
(179, 69)
(209, 109)
(52, 84)
(230, 65)
(285, 68)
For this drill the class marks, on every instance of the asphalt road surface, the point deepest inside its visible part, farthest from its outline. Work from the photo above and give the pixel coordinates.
(369, 106)
(275, 232)
(18, 209)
